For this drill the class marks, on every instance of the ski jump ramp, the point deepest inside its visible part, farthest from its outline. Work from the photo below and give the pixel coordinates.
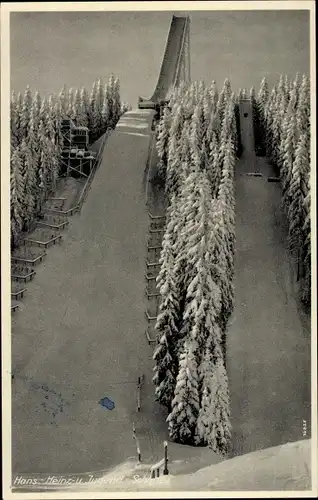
(80, 333)
(175, 65)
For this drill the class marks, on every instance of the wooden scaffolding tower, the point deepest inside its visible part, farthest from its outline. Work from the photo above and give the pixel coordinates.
(75, 157)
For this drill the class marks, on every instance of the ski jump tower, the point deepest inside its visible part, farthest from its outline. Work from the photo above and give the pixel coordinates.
(175, 66)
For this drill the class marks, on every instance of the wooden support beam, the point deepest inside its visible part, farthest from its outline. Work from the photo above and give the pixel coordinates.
(28, 261)
(156, 231)
(150, 318)
(52, 226)
(155, 468)
(19, 294)
(158, 464)
(152, 264)
(24, 278)
(149, 278)
(44, 244)
(53, 211)
(150, 340)
(150, 295)
(156, 217)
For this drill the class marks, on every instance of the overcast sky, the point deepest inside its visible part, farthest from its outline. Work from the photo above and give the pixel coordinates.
(50, 49)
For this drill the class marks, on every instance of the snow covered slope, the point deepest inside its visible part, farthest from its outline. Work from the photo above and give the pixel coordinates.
(268, 346)
(79, 335)
(281, 468)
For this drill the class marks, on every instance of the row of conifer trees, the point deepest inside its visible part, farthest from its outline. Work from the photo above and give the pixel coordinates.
(197, 143)
(36, 141)
(282, 119)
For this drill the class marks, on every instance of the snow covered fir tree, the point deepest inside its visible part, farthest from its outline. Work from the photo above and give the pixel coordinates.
(198, 143)
(197, 147)
(36, 141)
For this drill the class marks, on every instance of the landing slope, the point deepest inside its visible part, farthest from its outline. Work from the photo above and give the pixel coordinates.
(268, 347)
(80, 333)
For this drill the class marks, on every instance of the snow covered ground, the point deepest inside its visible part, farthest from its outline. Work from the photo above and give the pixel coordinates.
(281, 468)
(284, 467)
(80, 333)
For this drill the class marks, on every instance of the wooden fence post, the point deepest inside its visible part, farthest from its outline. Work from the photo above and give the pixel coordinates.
(139, 384)
(165, 468)
(137, 443)
(138, 399)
